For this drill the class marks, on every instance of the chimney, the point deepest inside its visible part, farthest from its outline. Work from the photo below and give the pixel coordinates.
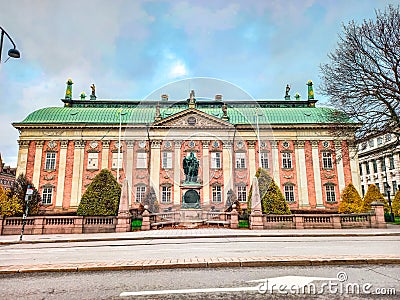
(218, 97)
(164, 97)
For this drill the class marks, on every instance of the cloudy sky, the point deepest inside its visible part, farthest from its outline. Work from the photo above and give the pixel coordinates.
(128, 49)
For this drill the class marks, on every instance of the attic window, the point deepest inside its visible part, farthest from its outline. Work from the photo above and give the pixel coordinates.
(73, 113)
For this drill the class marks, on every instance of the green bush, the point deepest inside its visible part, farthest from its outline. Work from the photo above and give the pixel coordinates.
(101, 197)
(9, 206)
(351, 201)
(396, 204)
(273, 202)
(264, 181)
(373, 194)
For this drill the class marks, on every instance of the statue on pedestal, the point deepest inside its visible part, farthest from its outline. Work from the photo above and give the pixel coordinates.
(191, 168)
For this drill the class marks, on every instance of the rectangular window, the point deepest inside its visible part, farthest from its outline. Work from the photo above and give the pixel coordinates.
(289, 193)
(367, 167)
(216, 194)
(215, 160)
(377, 185)
(361, 170)
(264, 160)
(380, 140)
(50, 161)
(93, 161)
(391, 162)
(383, 164)
(371, 143)
(242, 193)
(115, 160)
(363, 191)
(166, 194)
(286, 160)
(394, 185)
(375, 166)
(167, 160)
(47, 195)
(330, 193)
(140, 193)
(241, 160)
(141, 162)
(327, 160)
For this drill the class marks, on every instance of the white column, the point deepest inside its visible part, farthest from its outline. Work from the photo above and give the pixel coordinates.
(317, 175)
(155, 167)
(396, 168)
(206, 173)
(129, 168)
(340, 168)
(227, 154)
(355, 166)
(177, 173)
(77, 171)
(252, 158)
(275, 163)
(104, 154)
(37, 166)
(22, 157)
(301, 171)
(61, 173)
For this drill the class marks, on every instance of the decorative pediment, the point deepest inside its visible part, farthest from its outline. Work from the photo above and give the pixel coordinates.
(193, 118)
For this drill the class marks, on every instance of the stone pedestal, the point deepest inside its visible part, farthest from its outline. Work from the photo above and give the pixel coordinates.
(234, 219)
(146, 220)
(378, 208)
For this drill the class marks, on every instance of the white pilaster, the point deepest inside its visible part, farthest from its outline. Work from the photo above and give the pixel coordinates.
(340, 169)
(104, 154)
(177, 173)
(301, 171)
(22, 157)
(61, 173)
(155, 167)
(227, 154)
(206, 173)
(317, 175)
(275, 163)
(37, 166)
(354, 167)
(77, 171)
(129, 168)
(252, 158)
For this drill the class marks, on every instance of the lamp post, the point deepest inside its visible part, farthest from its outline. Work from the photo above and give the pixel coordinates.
(14, 53)
(387, 188)
(28, 196)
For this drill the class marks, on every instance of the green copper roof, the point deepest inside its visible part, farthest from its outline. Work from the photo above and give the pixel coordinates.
(146, 114)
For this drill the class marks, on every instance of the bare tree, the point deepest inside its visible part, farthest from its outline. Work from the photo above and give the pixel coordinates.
(362, 77)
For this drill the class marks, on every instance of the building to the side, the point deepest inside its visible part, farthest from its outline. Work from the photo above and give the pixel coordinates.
(380, 163)
(7, 175)
(193, 152)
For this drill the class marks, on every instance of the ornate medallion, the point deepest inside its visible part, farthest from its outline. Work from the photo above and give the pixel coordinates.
(52, 144)
(240, 144)
(285, 144)
(191, 121)
(325, 144)
(192, 144)
(167, 144)
(142, 144)
(93, 144)
(216, 144)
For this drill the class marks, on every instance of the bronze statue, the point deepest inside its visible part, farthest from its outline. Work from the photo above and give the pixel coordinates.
(287, 91)
(191, 168)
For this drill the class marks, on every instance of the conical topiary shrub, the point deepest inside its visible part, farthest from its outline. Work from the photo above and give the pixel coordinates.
(264, 181)
(351, 201)
(273, 202)
(396, 204)
(101, 197)
(373, 194)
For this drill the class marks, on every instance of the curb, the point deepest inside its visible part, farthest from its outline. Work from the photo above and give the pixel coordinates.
(240, 262)
(199, 237)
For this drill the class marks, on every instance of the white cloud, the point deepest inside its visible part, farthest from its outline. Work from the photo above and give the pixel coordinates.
(178, 69)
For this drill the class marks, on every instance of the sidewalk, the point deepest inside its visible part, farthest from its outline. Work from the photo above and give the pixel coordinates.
(392, 230)
(242, 261)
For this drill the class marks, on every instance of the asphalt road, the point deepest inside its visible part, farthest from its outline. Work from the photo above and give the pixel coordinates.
(209, 283)
(105, 251)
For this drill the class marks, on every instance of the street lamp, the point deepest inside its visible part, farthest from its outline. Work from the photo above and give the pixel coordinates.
(387, 188)
(14, 53)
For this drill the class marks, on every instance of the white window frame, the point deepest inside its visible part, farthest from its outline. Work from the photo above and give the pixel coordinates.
(327, 160)
(215, 160)
(167, 160)
(242, 193)
(240, 160)
(217, 194)
(330, 193)
(289, 193)
(50, 160)
(264, 160)
(140, 193)
(166, 194)
(141, 160)
(47, 195)
(287, 160)
(93, 161)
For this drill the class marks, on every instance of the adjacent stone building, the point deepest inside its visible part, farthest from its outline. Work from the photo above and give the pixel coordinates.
(192, 152)
(7, 175)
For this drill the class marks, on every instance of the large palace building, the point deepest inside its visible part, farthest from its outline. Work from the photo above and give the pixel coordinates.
(192, 152)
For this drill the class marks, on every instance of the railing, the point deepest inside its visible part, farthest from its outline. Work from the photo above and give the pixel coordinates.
(99, 220)
(218, 218)
(18, 221)
(164, 218)
(57, 221)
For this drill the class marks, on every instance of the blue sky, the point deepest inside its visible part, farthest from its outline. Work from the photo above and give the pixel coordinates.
(128, 49)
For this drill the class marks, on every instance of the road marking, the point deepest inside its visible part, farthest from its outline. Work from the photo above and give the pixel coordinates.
(190, 291)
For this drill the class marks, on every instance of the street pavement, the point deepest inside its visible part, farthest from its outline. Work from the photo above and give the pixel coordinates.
(384, 245)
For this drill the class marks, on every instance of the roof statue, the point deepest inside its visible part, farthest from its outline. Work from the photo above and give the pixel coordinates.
(83, 96)
(225, 112)
(93, 94)
(192, 99)
(287, 96)
(68, 92)
(310, 95)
